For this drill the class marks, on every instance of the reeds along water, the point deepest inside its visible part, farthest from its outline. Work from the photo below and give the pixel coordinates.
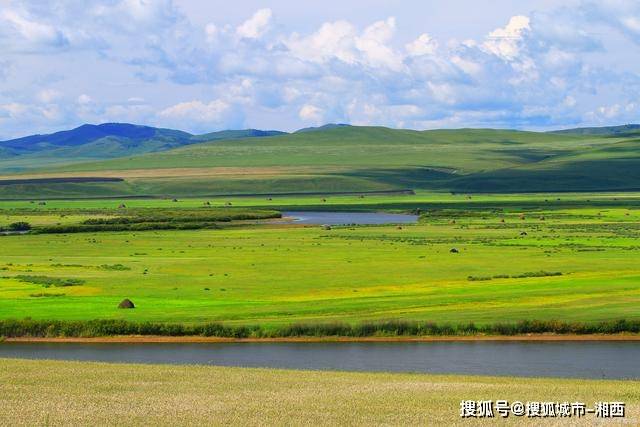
(102, 328)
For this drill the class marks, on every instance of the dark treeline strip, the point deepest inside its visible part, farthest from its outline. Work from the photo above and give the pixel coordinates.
(188, 216)
(393, 328)
(60, 180)
(83, 228)
(143, 220)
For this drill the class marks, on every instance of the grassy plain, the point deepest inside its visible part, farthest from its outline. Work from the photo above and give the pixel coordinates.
(349, 159)
(273, 274)
(55, 393)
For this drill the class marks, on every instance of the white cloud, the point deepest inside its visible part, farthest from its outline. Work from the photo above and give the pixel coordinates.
(505, 42)
(423, 45)
(202, 116)
(20, 33)
(14, 109)
(374, 45)
(569, 101)
(47, 96)
(196, 110)
(540, 70)
(211, 32)
(310, 113)
(255, 26)
(84, 99)
(334, 40)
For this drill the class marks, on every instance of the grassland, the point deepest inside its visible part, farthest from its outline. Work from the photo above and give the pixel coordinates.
(520, 257)
(349, 159)
(55, 393)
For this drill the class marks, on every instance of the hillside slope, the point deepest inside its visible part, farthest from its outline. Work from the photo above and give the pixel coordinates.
(104, 141)
(351, 158)
(622, 130)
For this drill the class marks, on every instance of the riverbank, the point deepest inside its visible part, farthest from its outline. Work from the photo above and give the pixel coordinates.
(397, 329)
(452, 338)
(83, 393)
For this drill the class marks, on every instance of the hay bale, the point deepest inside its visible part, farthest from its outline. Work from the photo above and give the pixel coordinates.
(454, 251)
(126, 303)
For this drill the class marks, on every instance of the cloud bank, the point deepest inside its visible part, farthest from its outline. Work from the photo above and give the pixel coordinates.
(69, 62)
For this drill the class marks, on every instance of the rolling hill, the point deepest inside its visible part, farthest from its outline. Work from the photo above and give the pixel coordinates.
(339, 158)
(622, 130)
(108, 140)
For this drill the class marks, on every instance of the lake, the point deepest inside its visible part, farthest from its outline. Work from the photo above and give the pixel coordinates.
(344, 218)
(612, 360)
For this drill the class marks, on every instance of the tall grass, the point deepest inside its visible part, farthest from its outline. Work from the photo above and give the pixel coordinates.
(388, 328)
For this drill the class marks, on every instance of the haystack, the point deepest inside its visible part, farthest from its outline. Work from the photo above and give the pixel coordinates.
(126, 303)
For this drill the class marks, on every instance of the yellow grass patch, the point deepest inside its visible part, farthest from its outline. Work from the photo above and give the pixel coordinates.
(75, 393)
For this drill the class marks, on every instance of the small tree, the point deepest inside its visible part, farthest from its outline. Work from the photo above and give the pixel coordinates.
(20, 226)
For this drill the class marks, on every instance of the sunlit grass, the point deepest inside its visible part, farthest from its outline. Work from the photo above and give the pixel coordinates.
(274, 274)
(53, 393)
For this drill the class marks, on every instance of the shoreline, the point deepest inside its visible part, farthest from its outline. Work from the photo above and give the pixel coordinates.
(133, 339)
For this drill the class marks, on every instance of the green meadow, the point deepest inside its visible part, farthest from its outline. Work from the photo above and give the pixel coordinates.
(342, 159)
(470, 258)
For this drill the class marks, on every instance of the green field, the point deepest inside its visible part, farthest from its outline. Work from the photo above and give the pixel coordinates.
(537, 257)
(53, 393)
(345, 159)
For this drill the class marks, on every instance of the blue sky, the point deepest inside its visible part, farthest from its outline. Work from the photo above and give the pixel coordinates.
(207, 65)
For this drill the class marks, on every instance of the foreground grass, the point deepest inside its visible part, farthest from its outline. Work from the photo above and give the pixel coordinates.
(80, 393)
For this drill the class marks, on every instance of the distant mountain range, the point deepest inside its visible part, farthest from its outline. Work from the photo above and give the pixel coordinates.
(111, 140)
(623, 130)
(333, 157)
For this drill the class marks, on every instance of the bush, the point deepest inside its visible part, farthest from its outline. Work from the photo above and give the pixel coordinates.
(20, 226)
(47, 281)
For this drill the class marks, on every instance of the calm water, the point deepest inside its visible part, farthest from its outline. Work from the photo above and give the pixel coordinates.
(553, 359)
(342, 218)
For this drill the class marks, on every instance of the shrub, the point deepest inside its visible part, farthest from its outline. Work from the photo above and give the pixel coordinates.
(46, 295)
(114, 267)
(478, 278)
(20, 226)
(47, 281)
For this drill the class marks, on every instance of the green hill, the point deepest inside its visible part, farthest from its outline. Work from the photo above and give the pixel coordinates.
(104, 141)
(622, 130)
(351, 158)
